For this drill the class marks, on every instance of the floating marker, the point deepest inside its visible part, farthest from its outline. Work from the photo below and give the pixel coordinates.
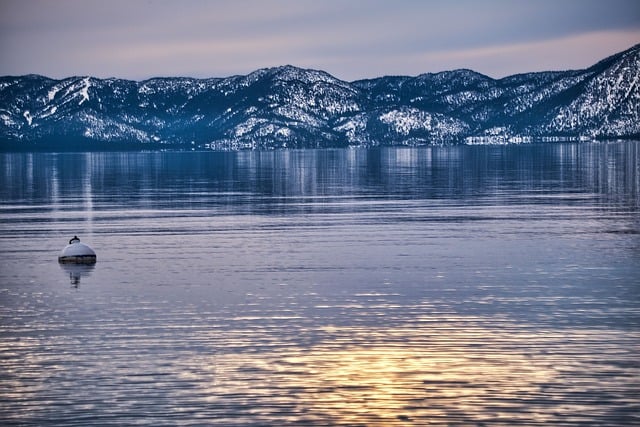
(77, 253)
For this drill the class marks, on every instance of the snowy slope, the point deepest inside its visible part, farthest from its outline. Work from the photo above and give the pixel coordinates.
(293, 107)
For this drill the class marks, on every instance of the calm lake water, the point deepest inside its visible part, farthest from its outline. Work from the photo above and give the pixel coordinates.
(486, 285)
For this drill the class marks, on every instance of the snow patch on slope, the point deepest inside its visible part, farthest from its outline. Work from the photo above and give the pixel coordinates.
(27, 115)
(84, 92)
(404, 121)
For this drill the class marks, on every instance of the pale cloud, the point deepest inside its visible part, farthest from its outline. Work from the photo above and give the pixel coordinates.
(571, 52)
(350, 39)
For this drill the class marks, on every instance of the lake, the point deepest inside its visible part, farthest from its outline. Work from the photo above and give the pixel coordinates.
(462, 285)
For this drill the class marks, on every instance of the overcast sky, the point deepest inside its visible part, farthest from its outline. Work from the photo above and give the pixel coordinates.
(350, 39)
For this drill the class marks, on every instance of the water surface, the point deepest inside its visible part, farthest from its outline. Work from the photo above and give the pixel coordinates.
(394, 286)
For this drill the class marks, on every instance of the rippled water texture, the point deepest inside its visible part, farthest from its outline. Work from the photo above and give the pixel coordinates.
(396, 286)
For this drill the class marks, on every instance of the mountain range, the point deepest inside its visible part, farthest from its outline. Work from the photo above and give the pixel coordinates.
(294, 107)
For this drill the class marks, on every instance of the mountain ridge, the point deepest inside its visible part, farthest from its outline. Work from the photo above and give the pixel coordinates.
(288, 106)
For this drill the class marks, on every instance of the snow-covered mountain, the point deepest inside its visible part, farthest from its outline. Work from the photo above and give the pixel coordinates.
(293, 107)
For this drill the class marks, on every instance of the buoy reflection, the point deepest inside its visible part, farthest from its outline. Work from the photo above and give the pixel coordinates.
(77, 271)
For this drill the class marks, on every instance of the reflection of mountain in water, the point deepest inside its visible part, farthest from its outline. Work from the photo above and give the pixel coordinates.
(264, 180)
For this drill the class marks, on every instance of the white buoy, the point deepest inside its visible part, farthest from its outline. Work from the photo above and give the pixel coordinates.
(77, 253)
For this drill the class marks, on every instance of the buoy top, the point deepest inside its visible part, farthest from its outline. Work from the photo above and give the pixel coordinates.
(78, 253)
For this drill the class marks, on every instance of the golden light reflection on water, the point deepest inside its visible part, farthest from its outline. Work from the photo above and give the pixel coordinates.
(403, 377)
(438, 370)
